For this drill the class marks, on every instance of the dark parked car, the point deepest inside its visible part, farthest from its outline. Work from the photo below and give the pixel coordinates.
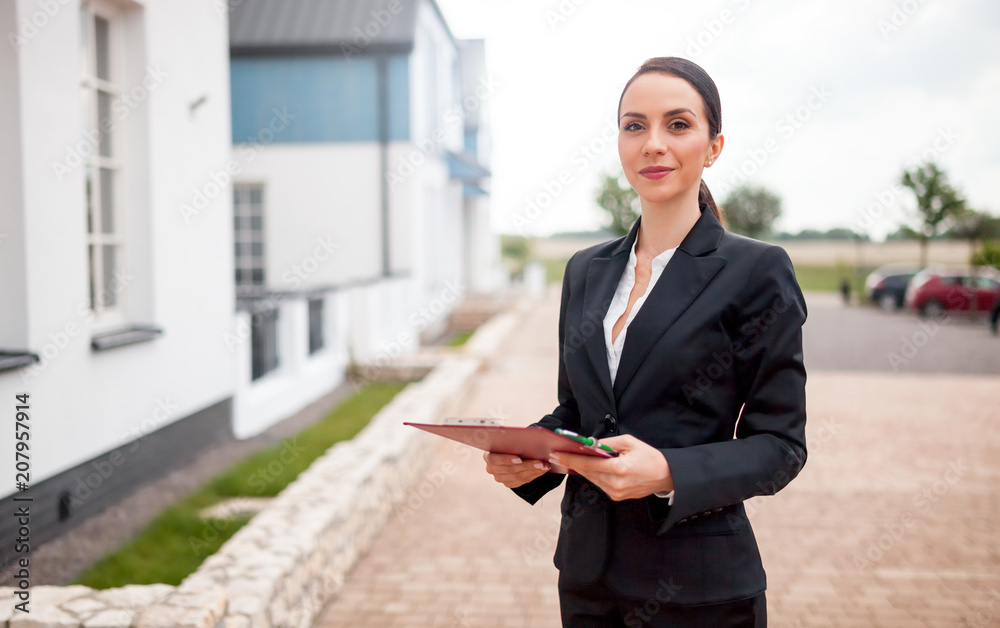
(934, 291)
(886, 285)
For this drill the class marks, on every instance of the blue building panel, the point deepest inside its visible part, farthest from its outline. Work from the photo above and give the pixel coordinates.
(399, 97)
(307, 99)
(471, 141)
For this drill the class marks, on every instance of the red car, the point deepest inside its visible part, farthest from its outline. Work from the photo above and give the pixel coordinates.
(933, 291)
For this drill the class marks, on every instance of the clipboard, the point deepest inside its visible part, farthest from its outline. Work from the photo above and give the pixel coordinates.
(530, 443)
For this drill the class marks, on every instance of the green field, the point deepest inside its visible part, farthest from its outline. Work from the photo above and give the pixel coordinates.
(828, 278)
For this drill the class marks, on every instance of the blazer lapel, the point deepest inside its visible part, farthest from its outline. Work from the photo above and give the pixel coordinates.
(683, 278)
(603, 275)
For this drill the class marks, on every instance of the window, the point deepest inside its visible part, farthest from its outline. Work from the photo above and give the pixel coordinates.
(983, 283)
(248, 228)
(264, 342)
(100, 88)
(315, 325)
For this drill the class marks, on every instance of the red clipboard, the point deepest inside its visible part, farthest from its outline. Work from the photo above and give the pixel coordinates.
(530, 443)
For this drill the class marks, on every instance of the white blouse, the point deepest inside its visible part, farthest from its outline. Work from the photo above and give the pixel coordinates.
(620, 301)
(618, 304)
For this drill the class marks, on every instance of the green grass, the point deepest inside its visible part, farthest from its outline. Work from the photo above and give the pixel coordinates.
(818, 277)
(828, 278)
(176, 542)
(172, 546)
(554, 269)
(460, 337)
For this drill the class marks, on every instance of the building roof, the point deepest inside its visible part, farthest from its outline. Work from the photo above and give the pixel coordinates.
(330, 26)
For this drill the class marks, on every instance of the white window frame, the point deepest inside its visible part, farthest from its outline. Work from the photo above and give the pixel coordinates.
(107, 299)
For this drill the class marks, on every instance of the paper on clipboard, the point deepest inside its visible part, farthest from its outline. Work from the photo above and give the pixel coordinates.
(530, 443)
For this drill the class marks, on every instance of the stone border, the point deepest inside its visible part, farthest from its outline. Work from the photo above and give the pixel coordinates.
(283, 566)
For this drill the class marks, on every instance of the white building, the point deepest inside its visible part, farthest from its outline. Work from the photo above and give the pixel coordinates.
(118, 311)
(359, 133)
(114, 306)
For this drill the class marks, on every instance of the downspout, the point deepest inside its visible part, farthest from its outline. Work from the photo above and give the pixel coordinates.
(382, 71)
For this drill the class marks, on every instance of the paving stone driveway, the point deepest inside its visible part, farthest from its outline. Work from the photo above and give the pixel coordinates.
(892, 523)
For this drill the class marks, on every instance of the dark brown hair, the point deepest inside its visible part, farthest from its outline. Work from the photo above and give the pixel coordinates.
(705, 86)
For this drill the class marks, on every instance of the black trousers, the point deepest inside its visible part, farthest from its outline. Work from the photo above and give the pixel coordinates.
(598, 606)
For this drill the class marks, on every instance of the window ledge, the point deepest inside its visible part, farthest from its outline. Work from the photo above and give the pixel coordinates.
(10, 360)
(129, 335)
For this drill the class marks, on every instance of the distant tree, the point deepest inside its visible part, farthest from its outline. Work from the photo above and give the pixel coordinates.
(904, 232)
(836, 233)
(973, 226)
(809, 234)
(987, 255)
(751, 211)
(619, 202)
(937, 201)
(845, 233)
(515, 251)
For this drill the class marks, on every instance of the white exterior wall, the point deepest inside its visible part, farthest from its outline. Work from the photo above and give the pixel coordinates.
(300, 378)
(317, 197)
(478, 91)
(435, 200)
(488, 273)
(368, 324)
(13, 314)
(484, 252)
(323, 228)
(85, 403)
(383, 321)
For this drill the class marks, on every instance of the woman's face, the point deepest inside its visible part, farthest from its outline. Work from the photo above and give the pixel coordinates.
(663, 138)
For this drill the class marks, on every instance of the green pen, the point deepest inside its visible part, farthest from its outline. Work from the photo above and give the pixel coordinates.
(589, 441)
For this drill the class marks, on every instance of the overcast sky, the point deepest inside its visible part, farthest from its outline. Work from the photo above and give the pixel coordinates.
(824, 102)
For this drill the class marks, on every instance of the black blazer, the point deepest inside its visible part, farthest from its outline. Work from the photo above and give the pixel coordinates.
(715, 351)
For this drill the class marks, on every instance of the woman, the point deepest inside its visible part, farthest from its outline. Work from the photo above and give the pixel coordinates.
(680, 345)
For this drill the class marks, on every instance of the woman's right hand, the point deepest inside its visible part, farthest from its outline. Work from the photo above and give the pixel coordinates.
(511, 471)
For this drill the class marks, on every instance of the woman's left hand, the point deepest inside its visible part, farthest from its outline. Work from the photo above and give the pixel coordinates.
(638, 471)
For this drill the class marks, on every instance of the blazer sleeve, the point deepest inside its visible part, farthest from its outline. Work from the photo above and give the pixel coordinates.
(770, 448)
(566, 414)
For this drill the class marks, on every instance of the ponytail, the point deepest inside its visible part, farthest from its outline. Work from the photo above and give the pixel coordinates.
(704, 196)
